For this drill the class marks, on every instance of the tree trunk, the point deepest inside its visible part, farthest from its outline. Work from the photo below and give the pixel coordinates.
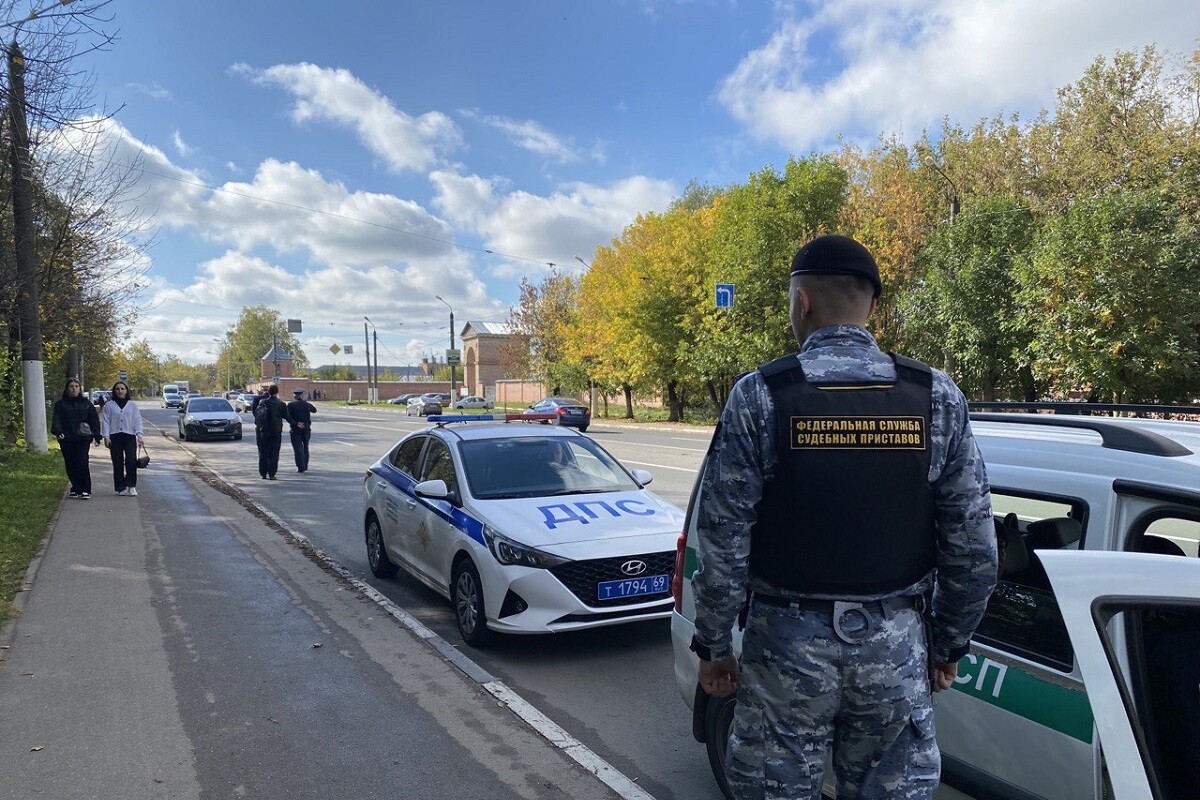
(674, 403)
(1028, 385)
(628, 401)
(712, 394)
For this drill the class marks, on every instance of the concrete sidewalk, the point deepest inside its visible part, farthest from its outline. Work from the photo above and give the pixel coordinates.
(175, 645)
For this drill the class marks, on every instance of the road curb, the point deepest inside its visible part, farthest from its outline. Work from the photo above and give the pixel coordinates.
(8, 630)
(624, 786)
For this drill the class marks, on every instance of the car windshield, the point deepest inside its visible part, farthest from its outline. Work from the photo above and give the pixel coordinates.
(209, 404)
(501, 469)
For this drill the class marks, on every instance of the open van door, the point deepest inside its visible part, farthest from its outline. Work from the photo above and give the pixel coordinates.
(1134, 622)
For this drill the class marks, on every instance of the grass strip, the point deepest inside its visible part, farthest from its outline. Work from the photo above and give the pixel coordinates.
(31, 487)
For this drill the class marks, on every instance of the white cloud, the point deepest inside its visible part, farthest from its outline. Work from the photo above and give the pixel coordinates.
(530, 135)
(153, 90)
(232, 167)
(284, 206)
(404, 142)
(859, 67)
(571, 221)
(331, 301)
(181, 146)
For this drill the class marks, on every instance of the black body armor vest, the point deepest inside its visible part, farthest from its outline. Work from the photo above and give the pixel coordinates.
(850, 510)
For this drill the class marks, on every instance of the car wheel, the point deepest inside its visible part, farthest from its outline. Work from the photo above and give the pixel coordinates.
(377, 558)
(237, 437)
(466, 593)
(718, 722)
(181, 434)
(583, 428)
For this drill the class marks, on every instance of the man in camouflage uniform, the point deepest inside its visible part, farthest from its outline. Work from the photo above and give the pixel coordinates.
(846, 528)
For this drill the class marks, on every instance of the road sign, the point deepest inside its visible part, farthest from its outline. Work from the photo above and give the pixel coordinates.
(348, 349)
(124, 374)
(294, 326)
(333, 348)
(724, 295)
(454, 357)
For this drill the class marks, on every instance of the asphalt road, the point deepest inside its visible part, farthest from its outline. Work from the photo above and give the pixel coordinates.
(611, 688)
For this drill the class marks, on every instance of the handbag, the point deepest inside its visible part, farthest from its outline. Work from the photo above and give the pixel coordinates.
(143, 460)
(85, 430)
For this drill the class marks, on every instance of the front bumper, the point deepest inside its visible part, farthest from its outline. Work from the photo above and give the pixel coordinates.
(201, 431)
(555, 603)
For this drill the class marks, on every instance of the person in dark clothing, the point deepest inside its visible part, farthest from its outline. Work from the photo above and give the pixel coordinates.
(268, 426)
(76, 425)
(300, 413)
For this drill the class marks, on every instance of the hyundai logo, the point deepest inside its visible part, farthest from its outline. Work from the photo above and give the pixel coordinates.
(634, 567)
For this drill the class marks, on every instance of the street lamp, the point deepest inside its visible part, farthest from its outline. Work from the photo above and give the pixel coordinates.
(953, 186)
(33, 376)
(452, 384)
(581, 261)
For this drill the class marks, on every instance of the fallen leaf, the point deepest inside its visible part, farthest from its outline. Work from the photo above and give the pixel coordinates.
(37, 749)
(27, 673)
(317, 644)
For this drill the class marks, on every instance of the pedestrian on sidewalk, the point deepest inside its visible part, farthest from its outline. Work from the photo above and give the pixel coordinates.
(268, 425)
(121, 427)
(76, 425)
(300, 413)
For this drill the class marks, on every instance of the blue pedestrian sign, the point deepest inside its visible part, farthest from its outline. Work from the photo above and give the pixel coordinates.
(724, 295)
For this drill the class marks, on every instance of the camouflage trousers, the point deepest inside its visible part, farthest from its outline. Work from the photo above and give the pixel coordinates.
(861, 690)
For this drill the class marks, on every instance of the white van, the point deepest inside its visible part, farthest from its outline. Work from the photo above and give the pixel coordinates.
(1018, 723)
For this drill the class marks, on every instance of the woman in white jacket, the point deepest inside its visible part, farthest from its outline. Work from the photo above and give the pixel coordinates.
(121, 427)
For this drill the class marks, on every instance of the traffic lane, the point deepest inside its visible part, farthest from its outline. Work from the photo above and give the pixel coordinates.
(630, 711)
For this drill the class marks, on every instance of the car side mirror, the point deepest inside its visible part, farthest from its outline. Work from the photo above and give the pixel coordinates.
(642, 476)
(434, 490)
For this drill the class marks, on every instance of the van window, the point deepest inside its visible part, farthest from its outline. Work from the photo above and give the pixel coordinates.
(1178, 531)
(1022, 616)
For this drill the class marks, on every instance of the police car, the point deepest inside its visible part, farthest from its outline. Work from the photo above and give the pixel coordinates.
(525, 528)
(1018, 722)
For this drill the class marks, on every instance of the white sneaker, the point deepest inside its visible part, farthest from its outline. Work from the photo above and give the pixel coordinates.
(123, 492)
(86, 495)
(132, 492)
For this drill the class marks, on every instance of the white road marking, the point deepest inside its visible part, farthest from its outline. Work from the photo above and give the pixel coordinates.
(660, 466)
(676, 447)
(348, 444)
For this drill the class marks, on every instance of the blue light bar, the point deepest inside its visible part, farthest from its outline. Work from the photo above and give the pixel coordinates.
(440, 418)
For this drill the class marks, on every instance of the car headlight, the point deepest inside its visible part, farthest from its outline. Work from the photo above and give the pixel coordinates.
(188, 419)
(511, 553)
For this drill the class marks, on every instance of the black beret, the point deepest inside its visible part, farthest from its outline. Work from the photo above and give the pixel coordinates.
(837, 255)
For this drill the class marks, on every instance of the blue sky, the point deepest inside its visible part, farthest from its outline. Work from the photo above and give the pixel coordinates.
(341, 160)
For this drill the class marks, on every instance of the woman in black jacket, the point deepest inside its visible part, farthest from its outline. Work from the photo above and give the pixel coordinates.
(76, 425)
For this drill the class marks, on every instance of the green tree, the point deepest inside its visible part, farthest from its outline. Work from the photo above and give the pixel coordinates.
(973, 312)
(1109, 294)
(250, 339)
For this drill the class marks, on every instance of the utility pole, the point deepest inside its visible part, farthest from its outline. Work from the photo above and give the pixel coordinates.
(453, 392)
(367, 339)
(33, 376)
(275, 355)
(375, 372)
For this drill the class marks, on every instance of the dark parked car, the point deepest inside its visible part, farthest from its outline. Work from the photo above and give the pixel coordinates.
(570, 412)
(402, 399)
(209, 418)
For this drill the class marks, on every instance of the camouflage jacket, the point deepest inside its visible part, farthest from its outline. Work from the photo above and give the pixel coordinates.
(743, 458)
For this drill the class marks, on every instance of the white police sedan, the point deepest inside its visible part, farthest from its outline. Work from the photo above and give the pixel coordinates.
(525, 528)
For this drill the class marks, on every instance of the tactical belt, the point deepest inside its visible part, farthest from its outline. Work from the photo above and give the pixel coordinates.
(827, 606)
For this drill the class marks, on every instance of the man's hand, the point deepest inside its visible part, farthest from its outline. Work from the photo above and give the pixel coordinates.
(941, 676)
(719, 678)
(107, 442)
